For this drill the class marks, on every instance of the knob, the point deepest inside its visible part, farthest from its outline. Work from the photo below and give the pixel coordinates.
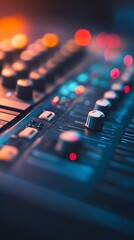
(21, 69)
(127, 78)
(68, 142)
(95, 120)
(104, 106)
(9, 78)
(112, 96)
(38, 81)
(24, 89)
(118, 88)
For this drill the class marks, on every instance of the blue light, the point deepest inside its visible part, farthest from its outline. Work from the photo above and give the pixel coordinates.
(82, 77)
(72, 86)
(64, 90)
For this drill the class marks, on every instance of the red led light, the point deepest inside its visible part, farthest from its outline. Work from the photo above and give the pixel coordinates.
(83, 37)
(115, 73)
(128, 60)
(72, 156)
(126, 89)
(55, 100)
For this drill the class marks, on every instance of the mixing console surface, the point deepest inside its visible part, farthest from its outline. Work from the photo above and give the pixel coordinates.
(67, 137)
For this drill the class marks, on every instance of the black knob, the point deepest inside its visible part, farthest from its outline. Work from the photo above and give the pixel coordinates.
(95, 120)
(21, 69)
(9, 78)
(2, 59)
(68, 142)
(104, 106)
(118, 88)
(24, 89)
(38, 80)
(112, 96)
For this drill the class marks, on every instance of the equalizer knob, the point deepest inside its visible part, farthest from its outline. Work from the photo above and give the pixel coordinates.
(118, 88)
(68, 142)
(95, 120)
(24, 89)
(112, 96)
(103, 105)
(9, 77)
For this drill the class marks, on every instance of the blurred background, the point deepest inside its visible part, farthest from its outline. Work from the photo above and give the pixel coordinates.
(114, 15)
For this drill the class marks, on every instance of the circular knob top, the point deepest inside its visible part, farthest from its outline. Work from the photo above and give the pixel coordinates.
(103, 105)
(68, 142)
(118, 88)
(95, 120)
(9, 77)
(112, 96)
(24, 89)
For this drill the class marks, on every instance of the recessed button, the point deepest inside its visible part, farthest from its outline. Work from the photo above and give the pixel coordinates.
(28, 133)
(47, 115)
(8, 153)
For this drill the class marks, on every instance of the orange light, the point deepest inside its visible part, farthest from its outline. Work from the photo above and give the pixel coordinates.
(83, 37)
(50, 40)
(128, 60)
(12, 25)
(19, 41)
(80, 89)
(55, 100)
(72, 156)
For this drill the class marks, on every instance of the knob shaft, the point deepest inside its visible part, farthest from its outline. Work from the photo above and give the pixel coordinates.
(95, 120)
(24, 89)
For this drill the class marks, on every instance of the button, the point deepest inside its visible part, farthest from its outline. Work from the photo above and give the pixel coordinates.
(28, 133)
(8, 153)
(47, 115)
(112, 96)
(95, 120)
(24, 89)
(9, 78)
(103, 105)
(68, 142)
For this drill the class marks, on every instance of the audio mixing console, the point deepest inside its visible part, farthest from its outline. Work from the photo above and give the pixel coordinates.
(67, 138)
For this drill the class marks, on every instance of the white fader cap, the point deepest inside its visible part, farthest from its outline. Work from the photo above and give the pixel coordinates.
(95, 120)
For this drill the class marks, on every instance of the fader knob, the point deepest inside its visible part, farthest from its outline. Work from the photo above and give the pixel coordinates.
(68, 142)
(112, 96)
(103, 105)
(95, 120)
(24, 89)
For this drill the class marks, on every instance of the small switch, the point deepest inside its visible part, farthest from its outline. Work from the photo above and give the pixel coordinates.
(8, 153)
(47, 115)
(28, 133)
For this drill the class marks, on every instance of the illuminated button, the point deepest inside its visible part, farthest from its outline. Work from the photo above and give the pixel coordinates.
(20, 68)
(103, 105)
(24, 89)
(128, 60)
(9, 78)
(28, 133)
(68, 142)
(8, 153)
(112, 96)
(47, 115)
(95, 120)
(38, 80)
(118, 88)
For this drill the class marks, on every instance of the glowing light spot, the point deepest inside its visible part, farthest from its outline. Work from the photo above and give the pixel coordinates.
(115, 73)
(72, 156)
(111, 41)
(82, 77)
(55, 100)
(19, 41)
(128, 60)
(72, 86)
(50, 40)
(83, 37)
(126, 89)
(80, 89)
